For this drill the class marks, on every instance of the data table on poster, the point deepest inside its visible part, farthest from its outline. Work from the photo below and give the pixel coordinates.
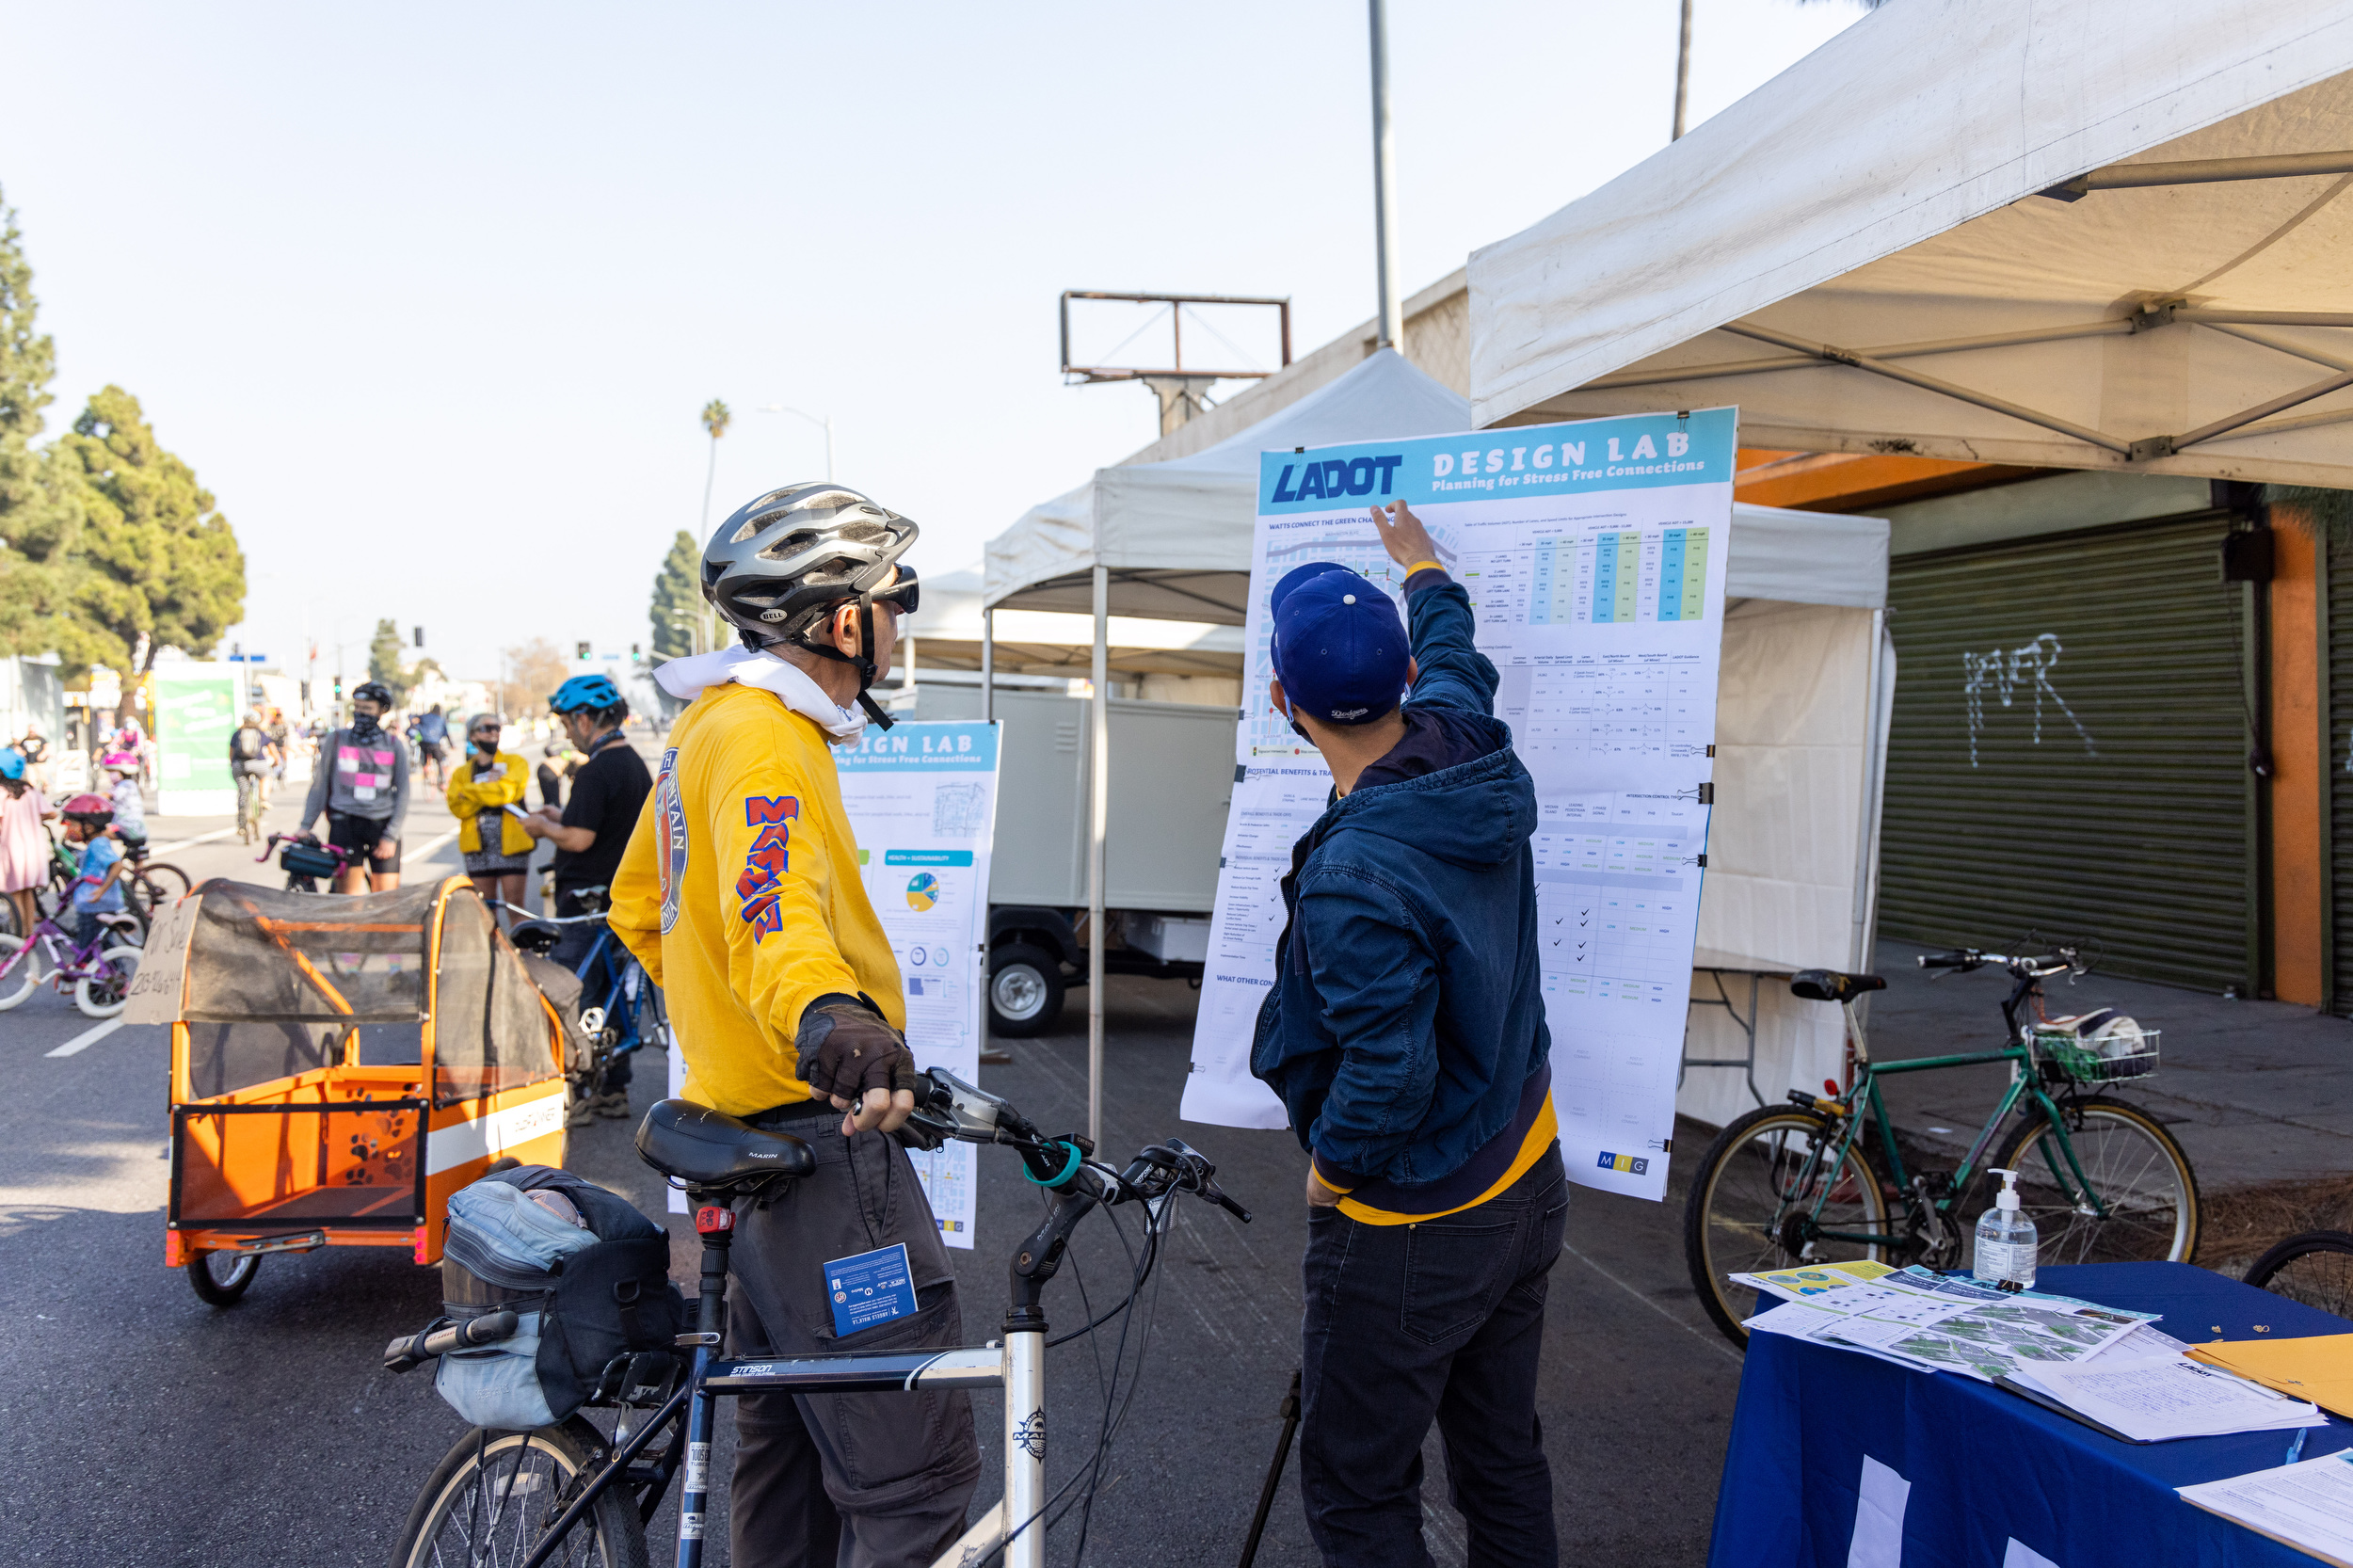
(1598, 593)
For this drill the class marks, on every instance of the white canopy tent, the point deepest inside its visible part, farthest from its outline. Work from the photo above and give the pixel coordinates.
(2104, 233)
(1171, 541)
(1802, 727)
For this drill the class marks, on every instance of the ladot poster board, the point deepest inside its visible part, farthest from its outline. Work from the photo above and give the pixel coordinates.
(196, 712)
(1593, 552)
(921, 799)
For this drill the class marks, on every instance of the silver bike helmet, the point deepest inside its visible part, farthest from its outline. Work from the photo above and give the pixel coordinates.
(778, 568)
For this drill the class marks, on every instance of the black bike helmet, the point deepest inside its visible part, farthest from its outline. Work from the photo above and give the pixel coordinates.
(778, 568)
(374, 691)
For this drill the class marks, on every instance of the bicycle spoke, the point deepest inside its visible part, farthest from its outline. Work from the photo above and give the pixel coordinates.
(2135, 1180)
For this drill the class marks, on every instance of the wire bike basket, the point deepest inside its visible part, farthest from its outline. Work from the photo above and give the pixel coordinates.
(2097, 1047)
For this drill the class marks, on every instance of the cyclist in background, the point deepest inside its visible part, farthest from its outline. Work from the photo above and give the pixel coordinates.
(361, 780)
(97, 891)
(742, 896)
(593, 831)
(432, 732)
(250, 758)
(557, 762)
(493, 839)
(127, 804)
(281, 737)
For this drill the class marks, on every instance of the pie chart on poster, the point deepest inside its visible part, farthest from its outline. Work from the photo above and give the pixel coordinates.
(923, 891)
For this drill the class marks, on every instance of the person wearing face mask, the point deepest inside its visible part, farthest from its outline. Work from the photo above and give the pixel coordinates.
(742, 895)
(360, 781)
(493, 839)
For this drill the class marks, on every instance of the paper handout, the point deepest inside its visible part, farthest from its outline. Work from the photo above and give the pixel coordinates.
(2308, 1506)
(2153, 1399)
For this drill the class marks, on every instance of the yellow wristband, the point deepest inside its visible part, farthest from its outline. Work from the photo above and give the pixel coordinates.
(1424, 566)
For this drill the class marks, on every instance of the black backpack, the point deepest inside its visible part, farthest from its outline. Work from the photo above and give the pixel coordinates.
(600, 1322)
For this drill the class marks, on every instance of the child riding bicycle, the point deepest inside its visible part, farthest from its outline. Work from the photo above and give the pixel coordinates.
(97, 891)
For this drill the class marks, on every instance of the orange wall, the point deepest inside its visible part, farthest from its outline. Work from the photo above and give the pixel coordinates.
(2295, 826)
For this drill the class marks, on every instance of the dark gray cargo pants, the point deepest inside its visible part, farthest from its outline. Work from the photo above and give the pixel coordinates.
(864, 1480)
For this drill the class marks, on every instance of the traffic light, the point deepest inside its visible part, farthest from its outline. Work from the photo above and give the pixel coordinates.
(583, 650)
(419, 632)
(633, 654)
(339, 688)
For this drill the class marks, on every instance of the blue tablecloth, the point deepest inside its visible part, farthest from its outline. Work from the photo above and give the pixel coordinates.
(1967, 1475)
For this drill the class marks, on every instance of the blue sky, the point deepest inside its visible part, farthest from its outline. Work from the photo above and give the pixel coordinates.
(430, 296)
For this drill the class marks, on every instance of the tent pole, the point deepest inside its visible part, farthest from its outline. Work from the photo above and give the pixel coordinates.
(1384, 180)
(1858, 960)
(988, 665)
(1099, 813)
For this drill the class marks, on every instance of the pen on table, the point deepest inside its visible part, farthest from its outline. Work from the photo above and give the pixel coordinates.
(2296, 1449)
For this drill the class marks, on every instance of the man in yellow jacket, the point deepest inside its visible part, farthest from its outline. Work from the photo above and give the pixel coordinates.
(741, 893)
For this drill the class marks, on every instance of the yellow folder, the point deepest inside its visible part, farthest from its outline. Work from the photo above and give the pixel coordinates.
(2319, 1369)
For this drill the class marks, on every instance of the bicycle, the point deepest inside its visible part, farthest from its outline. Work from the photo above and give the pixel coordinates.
(1791, 1185)
(250, 802)
(626, 1011)
(2315, 1267)
(100, 969)
(305, 859)
(518, 1497)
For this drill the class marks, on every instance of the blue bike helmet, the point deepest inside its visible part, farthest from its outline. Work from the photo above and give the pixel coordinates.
(11, 764)
(585, 691)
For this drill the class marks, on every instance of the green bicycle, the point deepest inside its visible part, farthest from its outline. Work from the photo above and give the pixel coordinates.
(1791, 1185)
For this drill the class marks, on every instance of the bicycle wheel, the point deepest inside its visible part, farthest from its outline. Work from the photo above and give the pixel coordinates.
(491, 1497)
(220, 1278)
(1763, 1171)
(20, 971)
(2142, 1177)
(103, 994)
(2316, 1267)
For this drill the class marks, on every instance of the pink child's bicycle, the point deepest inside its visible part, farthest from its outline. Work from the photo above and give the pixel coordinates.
(99, 971)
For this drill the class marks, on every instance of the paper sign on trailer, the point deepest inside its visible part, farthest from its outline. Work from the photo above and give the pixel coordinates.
(1593, 553)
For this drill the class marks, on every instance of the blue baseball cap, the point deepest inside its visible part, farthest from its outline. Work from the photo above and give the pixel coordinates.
(1339, 647)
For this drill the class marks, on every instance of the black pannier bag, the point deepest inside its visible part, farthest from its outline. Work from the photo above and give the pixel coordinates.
(589, 1278)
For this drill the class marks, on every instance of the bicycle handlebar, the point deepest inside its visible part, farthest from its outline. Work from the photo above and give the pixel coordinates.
(2040, 966)
(415, 1350)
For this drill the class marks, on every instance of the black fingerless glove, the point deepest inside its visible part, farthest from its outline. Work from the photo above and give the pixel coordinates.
(845, 1049)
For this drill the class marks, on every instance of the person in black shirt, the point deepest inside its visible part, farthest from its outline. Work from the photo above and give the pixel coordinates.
(608, 792)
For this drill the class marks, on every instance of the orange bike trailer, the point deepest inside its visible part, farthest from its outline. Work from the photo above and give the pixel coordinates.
(339, 1066)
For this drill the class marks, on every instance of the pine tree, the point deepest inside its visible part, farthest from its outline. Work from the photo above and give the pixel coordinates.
(154, 556)
(38, 520)
(384, 659)
(676, 598)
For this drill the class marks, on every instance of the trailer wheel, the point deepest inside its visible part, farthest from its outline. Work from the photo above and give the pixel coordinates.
(1025, 990)
(221, 1277)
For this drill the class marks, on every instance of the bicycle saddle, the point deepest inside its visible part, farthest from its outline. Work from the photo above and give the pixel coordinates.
(532, 936)
(700, 1147)
(1830, 986)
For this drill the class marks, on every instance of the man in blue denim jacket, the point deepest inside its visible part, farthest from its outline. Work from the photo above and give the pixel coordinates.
(1406, 1034)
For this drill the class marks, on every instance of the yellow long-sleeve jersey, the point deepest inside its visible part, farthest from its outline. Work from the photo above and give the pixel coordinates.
(741, 893)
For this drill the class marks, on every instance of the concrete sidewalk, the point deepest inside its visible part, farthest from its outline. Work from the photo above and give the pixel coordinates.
(2257, 1092)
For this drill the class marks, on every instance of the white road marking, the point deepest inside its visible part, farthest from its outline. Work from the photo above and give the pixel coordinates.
(190, 843)
(1702, 1335)
(425, 850)
(89, 1037)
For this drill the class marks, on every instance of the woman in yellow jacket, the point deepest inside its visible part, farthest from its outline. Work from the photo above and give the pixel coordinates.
(497, 848)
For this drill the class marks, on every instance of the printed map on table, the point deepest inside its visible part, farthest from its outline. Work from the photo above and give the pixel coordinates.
(1594, 555)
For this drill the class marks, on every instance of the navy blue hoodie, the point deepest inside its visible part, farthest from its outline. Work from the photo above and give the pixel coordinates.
(1405, 1029)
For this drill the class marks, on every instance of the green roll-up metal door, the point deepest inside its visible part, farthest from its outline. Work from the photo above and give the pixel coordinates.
(2068, 751)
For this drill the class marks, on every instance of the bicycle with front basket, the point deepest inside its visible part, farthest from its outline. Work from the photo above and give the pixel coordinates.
(1791, 1185)
(571, 1493)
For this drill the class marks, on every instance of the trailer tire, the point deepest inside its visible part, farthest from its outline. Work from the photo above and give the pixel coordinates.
(1025, 990)
(225, 1287)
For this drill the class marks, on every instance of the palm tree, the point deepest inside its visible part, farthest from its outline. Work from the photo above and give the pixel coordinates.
(716, 420)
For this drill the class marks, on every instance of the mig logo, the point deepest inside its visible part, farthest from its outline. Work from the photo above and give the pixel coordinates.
(765, 862)
(1626, 1165)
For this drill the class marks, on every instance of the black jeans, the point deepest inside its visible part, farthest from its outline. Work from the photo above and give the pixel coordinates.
(1442, 1320)
(571, 950)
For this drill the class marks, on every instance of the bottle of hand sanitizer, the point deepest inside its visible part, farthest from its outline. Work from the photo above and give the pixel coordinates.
(2005, 1240)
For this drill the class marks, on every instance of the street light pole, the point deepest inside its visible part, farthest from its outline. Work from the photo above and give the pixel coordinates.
(823, 422)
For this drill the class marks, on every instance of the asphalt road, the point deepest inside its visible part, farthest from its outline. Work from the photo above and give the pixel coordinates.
(152, 1429)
